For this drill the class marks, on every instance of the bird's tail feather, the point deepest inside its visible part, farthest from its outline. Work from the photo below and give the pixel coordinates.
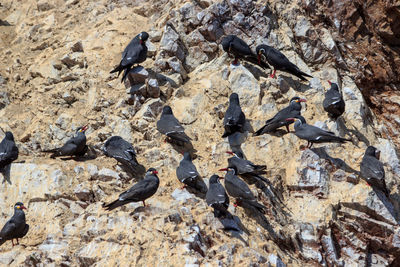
(113, 205)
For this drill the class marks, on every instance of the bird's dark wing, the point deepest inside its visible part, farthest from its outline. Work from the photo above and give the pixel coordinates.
(131, 55)
(216, 195)
(171, 127)
(186, 171)
(277, 59)
(238, 189)
(8, 230)
(372, 168)
(136, 192)
(241, 47)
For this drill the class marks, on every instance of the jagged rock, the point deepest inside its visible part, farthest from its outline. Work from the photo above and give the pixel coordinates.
(83, 193)
(77, 47)
(245, 85)
(68, 98)
(181, 195)
(73, 59)
(153, 90)
(171, 43)
(44, 5)
(136, 75)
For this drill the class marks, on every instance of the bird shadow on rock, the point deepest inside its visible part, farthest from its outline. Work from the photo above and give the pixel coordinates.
(182, 147)
(89, 155)
(257, 72)
(278, 133)
(386, 201)
(199, 184)
(339, 163)
(343, 130)
(288, 82)
(6, 172)
(234, 226)
(286, 244)
(5, 23)
(247, 126)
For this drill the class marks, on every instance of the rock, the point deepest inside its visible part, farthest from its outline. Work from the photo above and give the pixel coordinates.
(155, 36)
(137, 75)
(73, 59)
(181, 195)
(150, 109)
(77, 47)
(246, 86)
(68, 98)
(4, 100)
(106, 175)
(177, 66)
(175, 217)
(83, 193)
(171, 43)
(151, 49)
(44, 5)
(153, 90)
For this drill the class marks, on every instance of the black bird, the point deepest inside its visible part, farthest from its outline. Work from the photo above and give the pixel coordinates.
(333, 102)
(76, 146)
(135, 52)
(372, 170)
(116, 147)
(314, 134)
(235, 46)
(16, 227)
(245, 167)
(279, 119)
(140, 191)
(8, 151)
(217, 198)
(279, 61)
(187, 174)
(171, 127)
(239, 190)
(234, 119)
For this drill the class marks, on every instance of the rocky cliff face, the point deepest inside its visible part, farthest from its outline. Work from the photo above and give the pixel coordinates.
(56, 59)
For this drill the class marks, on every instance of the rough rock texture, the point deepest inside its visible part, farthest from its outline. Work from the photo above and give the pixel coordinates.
(55, 78)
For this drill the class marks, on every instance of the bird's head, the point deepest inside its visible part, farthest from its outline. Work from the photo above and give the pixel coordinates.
(297, 120)
(167, 110)
(215, 179)
(234, 98)
(229, 169)
(19, 206)
(143, 36)
(9, 136)
(151, 171)
(297, 99)
(373, 151)
(83, 128)
(333, 85)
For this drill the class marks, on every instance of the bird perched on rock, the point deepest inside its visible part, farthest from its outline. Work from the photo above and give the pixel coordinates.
(135, 52)
(314, 134)
(16, 227)
(8, 150)
(140, 191)
(333, 102)
(239, 190)
(116, 147)
(76, 146)
(171, 127)
(279, 119)
(187, 174)
(217, 198)
(279, 61)
(234, 119)
(372, 170)
(245, 168)
(235, 46)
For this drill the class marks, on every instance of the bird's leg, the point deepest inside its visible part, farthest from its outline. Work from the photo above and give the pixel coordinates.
(287, 128)
(17, 242)
(144, 204)
(273, 74)
(12, 241)
(235, 62)
(183, 187)
(311, 145)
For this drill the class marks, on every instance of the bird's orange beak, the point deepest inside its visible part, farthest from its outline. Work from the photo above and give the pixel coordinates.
(84, 128)
(302, 100)
(23, 208)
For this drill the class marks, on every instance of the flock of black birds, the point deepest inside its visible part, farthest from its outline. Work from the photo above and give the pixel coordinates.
(234, 122)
